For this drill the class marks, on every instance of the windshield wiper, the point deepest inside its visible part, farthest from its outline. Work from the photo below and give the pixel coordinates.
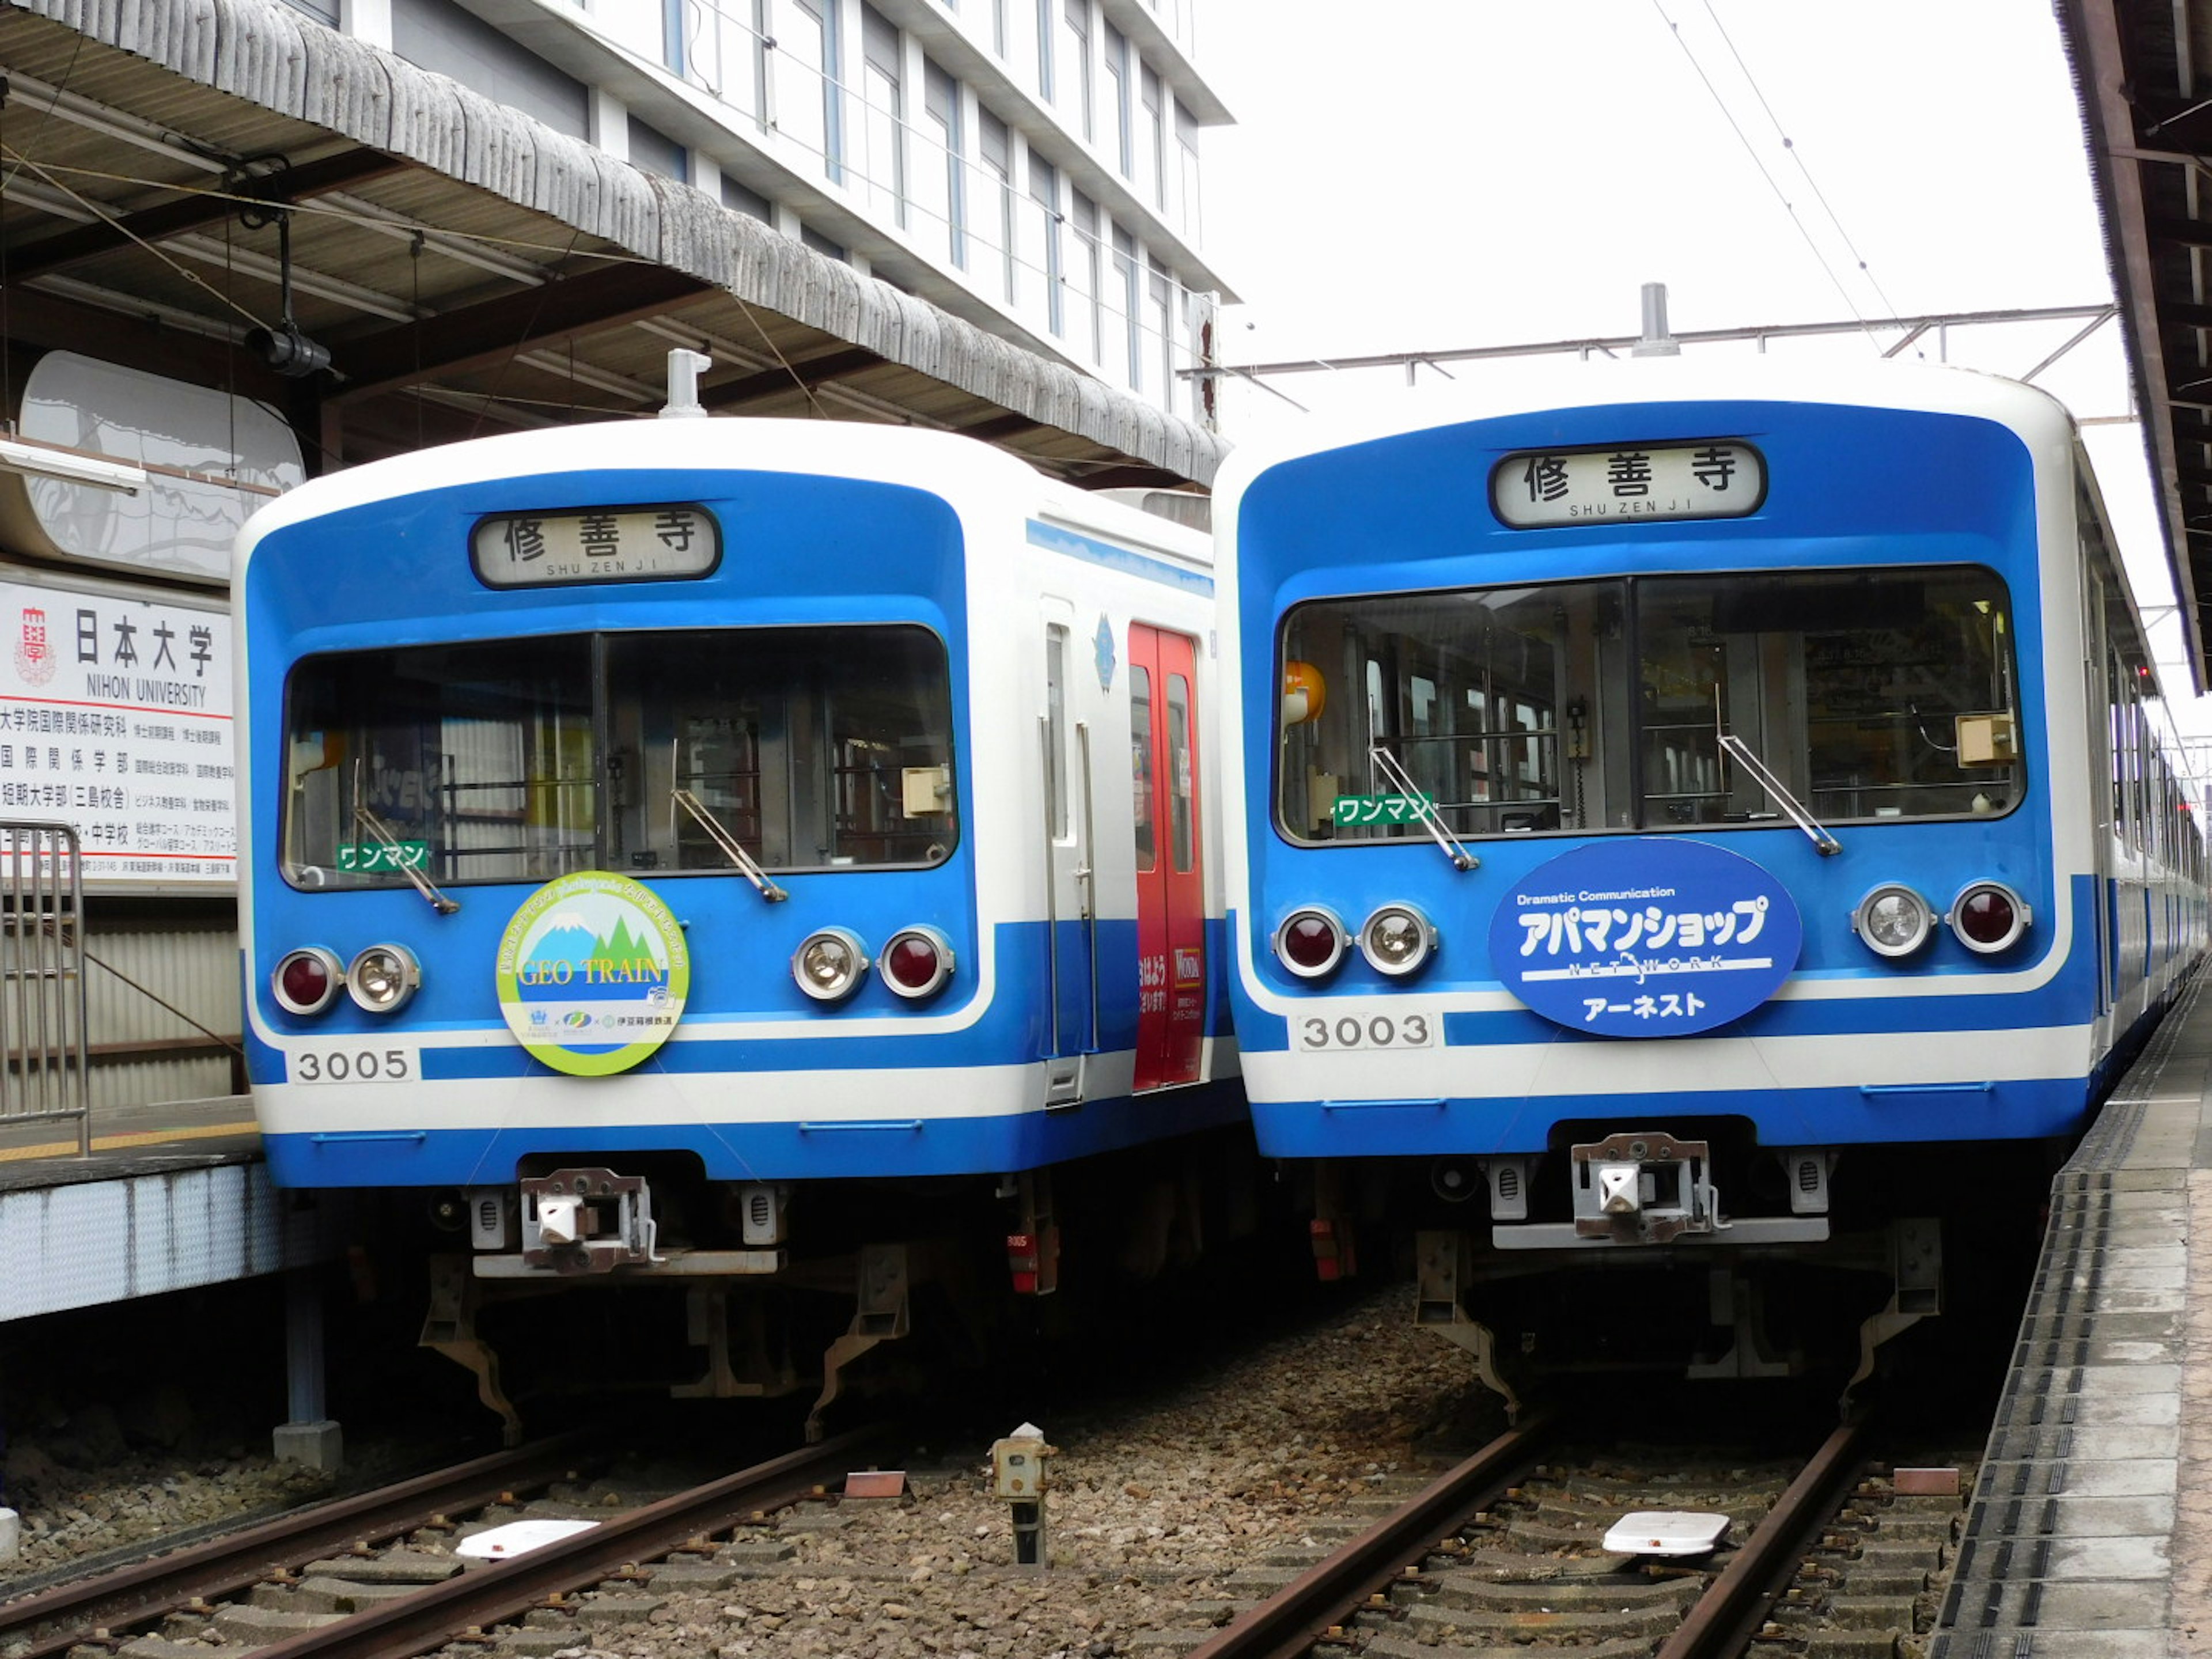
(1425, 810)
(722, 838)
(384, 836)
(1740, 751)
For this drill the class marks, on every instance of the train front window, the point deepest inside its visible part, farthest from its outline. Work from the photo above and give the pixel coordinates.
(1588, 705)
(520, 759)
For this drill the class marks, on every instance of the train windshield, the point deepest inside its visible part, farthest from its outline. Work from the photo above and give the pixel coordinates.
(520, 759)
(1871, 694)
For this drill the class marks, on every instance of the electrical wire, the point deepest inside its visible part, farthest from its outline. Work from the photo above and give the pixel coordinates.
(1772, 184)
(1798, 156)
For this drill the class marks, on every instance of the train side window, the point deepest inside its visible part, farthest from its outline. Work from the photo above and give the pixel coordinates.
(1181, 813)
(1141, 765)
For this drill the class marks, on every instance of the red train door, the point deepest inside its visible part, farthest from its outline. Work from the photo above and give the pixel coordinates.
(1170, 884)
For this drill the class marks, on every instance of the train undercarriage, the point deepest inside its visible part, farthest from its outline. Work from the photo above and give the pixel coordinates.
(583, 1277)
(1686, 1251)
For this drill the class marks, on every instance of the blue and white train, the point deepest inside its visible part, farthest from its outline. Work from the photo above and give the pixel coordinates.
(1718, 824)
(753, 859)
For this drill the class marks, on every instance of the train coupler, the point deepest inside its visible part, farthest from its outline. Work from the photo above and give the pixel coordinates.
(1643, 1188)
(588, 1221)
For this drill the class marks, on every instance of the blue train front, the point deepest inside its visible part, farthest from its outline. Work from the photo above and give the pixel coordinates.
(1718, 821)
(705, 853)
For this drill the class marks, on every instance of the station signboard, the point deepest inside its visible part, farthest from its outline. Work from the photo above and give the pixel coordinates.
(115, 717)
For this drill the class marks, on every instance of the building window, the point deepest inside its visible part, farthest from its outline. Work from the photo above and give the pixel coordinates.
(997, 146)
(1044, 191)
(941, 186)
(1156, 133)
(1045, 36)
(999, 27)
(882, 115)
(1117, 93)
(1086, 275)
(822, 244)
(656, 152)
(738, 199)
(809, 104)
(1072, 61)
(1160, 323)
(1126, 275)
(323, 11)
(721, 46)
(1186, 147)
(438, 36)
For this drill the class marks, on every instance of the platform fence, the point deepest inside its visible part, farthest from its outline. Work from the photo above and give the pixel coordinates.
(45, 1063)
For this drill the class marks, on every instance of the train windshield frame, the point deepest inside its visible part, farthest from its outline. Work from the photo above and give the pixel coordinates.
(1874, 694)
(814, 748)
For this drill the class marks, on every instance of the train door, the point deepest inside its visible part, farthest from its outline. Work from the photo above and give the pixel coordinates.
(1170, 883)
(1071, 951)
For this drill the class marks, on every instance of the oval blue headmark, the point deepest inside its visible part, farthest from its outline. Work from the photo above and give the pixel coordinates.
(1656, 937)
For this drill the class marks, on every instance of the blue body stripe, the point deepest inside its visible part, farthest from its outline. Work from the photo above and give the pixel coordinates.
(890, 1146)
(1107, 555)
(1828, 1116)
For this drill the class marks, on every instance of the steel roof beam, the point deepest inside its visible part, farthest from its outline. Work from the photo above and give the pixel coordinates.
(194, 212)
(484, 335)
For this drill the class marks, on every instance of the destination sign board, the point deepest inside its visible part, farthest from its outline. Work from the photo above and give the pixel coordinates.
(1537, 489)
(625, 544)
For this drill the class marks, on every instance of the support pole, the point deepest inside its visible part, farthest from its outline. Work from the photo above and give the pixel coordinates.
(310, 1437)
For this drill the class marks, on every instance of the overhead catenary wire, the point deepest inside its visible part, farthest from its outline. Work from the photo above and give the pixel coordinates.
(1798, 157)
(1773, 184)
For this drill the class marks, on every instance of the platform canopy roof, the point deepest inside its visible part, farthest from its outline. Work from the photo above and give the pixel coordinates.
(469, 268)
(2144, 68)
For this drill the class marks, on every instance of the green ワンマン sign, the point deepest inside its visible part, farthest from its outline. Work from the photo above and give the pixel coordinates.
(592, 973)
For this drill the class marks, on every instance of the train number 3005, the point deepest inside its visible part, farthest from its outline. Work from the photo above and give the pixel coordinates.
(1335, 1033)
(349, 1064)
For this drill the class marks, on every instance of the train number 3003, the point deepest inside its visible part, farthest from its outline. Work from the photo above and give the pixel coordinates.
(349, 1064)
(1333, 1033)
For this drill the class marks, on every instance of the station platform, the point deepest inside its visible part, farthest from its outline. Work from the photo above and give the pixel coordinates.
(171, 1196)
(2089, 1535)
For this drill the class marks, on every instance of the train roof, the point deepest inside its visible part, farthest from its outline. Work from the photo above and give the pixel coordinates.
(964, 470)
(1537, 386)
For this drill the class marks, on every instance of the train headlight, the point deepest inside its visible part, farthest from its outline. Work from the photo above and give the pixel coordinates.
(1397, 940)
(1892, 920)
(383, 977)
(1988, 916)
(916, 961)
(307, 981)
(829, 965)
(1310, 942)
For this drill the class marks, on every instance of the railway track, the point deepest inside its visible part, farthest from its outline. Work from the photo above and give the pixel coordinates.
(337, 1595)
(1505, 1549)
(1823, 1560)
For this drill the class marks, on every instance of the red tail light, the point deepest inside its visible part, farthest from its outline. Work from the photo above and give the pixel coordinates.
(1989, 916)
(1310, 942)
(916, 961)
(307, 981)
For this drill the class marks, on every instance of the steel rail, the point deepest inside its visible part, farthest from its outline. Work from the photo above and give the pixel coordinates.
(223, 1566)
(410, 1625)
(1736, 1604)
(1288, 1622)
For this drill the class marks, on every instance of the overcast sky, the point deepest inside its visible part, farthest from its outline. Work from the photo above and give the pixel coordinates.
(1424, 174)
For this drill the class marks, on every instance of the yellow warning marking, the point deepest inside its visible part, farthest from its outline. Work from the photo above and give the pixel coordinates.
(110, 1143)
